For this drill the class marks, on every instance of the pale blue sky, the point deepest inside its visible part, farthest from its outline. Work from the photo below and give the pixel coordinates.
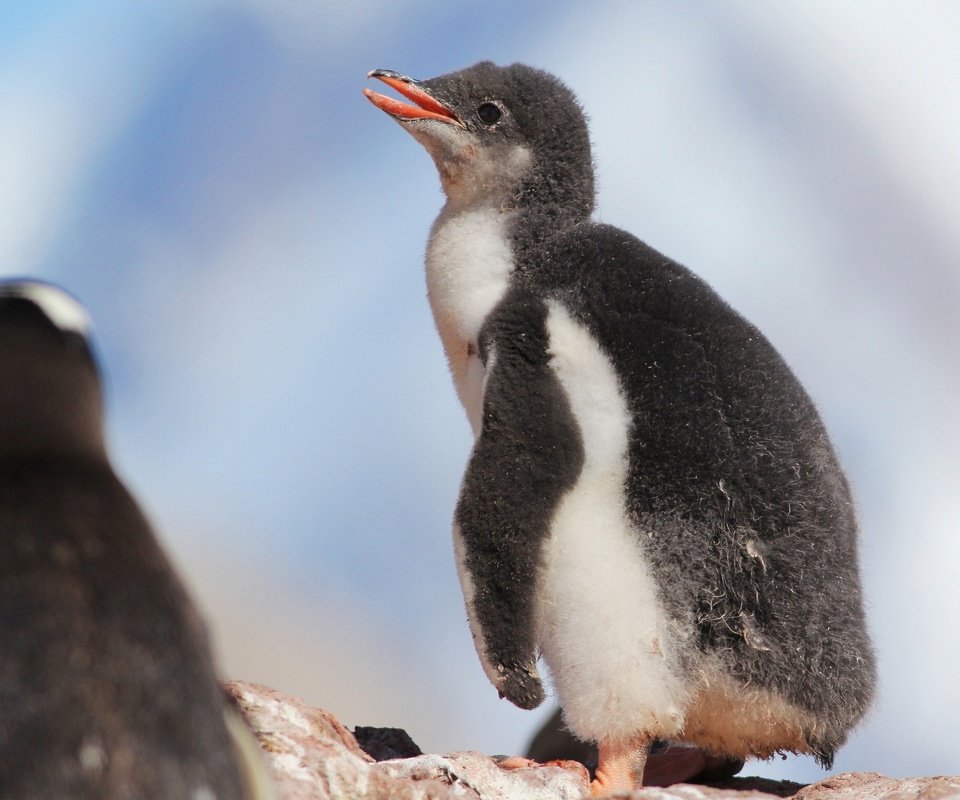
(248, 234)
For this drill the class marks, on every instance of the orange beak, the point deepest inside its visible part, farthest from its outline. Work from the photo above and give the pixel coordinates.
(426, 106)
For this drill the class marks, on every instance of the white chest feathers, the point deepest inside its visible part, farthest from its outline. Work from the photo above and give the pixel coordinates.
(600, 624)
(469, 261)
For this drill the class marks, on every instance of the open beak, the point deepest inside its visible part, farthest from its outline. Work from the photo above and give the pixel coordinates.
(426, 106)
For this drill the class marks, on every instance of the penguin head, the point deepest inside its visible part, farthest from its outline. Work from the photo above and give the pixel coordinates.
(51, 402)
(515, 135)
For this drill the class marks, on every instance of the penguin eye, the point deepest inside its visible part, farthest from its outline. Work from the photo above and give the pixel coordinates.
(489, 113)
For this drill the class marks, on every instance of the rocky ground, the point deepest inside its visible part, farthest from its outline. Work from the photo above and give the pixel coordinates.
(312, 756)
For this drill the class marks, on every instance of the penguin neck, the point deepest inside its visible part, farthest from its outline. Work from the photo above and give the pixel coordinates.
(535, 225)
(549, 203)
(470, 260)
(473, 251)
(472, 257)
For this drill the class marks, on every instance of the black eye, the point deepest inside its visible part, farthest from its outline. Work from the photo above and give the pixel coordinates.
(489, 113)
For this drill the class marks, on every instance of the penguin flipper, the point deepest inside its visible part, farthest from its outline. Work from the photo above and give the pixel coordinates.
(527, 454)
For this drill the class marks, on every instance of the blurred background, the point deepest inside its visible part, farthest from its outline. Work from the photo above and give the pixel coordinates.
(248, 233)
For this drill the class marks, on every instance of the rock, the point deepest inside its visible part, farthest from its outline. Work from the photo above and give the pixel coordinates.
(764, 786)
(873, 786)
(312, 756)
(382, 744)
(473, 775)
(687, 791)
(846, 786)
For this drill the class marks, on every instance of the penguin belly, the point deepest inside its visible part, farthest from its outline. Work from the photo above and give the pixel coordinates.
(469, 263)
(619, 664)
(601, 627)
(728, 717)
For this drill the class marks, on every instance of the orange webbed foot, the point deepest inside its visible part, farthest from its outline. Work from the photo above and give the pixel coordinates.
(518, 762)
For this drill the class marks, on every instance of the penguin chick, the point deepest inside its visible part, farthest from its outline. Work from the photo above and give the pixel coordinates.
(107, 687)
(652, 501)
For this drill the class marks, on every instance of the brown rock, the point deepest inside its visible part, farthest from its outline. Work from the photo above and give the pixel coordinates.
(687, 791)
(473, 775)
(764, 786)
(873, 786)
(846, 786)
(312, 756)
(288, 716)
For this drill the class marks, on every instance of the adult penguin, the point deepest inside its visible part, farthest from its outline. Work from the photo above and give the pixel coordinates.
(107, 687)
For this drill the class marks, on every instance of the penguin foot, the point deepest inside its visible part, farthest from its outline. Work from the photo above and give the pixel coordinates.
(666, 765)
(519, 762)
(620, 767)
(515, 762)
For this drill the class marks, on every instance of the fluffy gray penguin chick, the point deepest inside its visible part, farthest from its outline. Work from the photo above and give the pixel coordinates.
(107, 687)
(652, 502)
